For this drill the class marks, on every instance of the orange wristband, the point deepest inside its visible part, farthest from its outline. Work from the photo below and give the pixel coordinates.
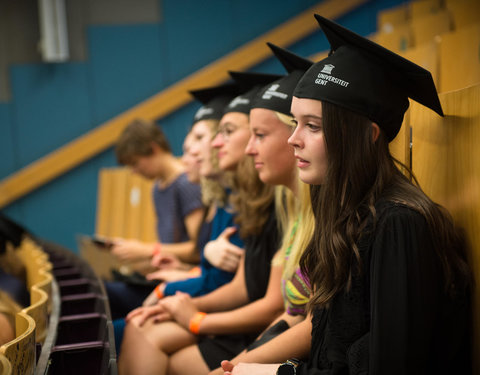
(194, 325)
(158, 291)
(195, 271)
(157, 249)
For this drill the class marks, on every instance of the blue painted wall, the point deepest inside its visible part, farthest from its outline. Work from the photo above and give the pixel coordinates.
(55, 103)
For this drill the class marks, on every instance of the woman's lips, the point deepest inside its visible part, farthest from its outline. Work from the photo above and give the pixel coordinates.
(302, 163)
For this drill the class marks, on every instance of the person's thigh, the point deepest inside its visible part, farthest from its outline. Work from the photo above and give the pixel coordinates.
(187, 361)
(166, 336)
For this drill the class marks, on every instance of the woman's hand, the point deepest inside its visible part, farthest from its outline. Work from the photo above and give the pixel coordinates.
(141, 314)
(152, 298)
(221, 253)
(181, 308)
(131, 250)
(248, 368)
(165, 262)
(168, 275)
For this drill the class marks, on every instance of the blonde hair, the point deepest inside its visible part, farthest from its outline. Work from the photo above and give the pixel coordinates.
(251, 199)
(213, 188)
(286, 119)
(293, 211)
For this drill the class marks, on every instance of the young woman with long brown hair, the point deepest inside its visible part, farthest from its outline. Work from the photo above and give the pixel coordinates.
(387, 267)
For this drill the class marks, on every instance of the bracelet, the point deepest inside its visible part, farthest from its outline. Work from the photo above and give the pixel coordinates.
(289, 367)
(194, 325)
(195, 272)
(158, 291)
(157, 249)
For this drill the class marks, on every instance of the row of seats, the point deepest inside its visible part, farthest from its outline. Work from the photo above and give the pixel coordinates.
(443, 37)
(67, 328)
(31, 323)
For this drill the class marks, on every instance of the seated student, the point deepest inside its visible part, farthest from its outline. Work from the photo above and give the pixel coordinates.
(275, 343)
(254, 202)
(169, 267)
(242, 173)
(204, 169)
(226, 332)
(213, 196)
(391, 284)
(144, 148)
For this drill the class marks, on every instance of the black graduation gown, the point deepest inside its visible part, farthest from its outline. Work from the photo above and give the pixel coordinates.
(259, 251)
(396, 318)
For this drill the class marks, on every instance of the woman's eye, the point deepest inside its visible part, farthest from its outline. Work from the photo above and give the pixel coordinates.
(259, 135)
(313, 127)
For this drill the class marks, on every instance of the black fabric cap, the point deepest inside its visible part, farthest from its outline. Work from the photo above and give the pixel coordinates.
(277, 96)
(367, 78)
(250, 83)
(214, 100)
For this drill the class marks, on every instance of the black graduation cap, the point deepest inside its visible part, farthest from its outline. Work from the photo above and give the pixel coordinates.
(214, 100)
(277, 96)
(250, 83)
(367, 78)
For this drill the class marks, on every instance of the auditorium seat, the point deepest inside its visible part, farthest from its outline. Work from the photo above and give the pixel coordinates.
(397, 39)
(421, 8)
(38, 310)
(459, 58)
(389, 18)
(426, 28)
(5, 366)
(78, 286)
(76, 329)
(427, 55)
(445, 157)
(21, 350)
(464, 12)
(93, 358)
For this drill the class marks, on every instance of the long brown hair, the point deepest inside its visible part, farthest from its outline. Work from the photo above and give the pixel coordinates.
(359, 173)
(251, 198)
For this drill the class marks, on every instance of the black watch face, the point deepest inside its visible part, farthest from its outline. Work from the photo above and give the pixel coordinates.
(286, 369)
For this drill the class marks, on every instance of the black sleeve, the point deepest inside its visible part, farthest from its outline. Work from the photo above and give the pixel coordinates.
(405, 282)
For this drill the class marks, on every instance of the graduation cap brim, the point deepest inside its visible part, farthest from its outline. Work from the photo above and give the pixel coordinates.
(416, 81)
(277, 96)
(289, 60)
(248, 80)
(206, 95)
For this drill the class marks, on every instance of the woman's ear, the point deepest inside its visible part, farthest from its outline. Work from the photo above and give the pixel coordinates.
(375, 132)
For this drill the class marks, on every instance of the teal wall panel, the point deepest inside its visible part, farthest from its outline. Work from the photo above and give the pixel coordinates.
(7, 142)
(51, 107)
(126, 67)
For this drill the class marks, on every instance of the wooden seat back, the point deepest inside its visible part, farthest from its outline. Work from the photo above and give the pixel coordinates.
(5, 366)
(445, 159)
(20, 352)
(38, 310)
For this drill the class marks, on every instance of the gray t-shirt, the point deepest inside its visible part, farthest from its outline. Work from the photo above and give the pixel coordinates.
(172, 205)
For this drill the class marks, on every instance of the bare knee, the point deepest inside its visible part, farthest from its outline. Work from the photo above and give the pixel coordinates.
(167, 337)
(187, 361)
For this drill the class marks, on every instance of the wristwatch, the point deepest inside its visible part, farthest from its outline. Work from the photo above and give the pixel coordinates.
(289, 367)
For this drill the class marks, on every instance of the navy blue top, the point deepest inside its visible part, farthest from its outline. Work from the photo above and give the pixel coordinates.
(211, 277)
